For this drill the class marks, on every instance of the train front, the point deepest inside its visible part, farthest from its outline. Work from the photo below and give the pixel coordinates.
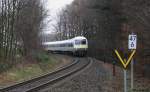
(80, 46)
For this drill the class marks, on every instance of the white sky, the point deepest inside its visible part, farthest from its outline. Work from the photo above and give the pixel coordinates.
(54, 6)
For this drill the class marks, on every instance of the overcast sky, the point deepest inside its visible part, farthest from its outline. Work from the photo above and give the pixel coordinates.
(54, 6)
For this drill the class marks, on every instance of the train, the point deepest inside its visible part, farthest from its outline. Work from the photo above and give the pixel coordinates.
(77, 46)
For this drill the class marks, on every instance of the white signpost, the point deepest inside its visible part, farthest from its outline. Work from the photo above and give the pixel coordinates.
(132, 43)
(125, 80)
(132, 40)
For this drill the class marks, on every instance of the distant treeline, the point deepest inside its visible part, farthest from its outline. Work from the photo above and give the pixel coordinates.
(97, 20)
(107, 24)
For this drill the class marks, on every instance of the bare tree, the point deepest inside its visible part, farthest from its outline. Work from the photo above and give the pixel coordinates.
(20, 24)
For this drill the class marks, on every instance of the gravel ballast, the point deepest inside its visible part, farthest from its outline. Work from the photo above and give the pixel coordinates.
(97, 78)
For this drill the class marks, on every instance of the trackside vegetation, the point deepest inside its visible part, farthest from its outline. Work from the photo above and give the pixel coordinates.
(26, 71)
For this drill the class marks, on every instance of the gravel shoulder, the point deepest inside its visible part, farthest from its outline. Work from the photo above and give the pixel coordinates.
(97, 78)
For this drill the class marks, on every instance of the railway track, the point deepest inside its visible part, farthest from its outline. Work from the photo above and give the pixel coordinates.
(49, 79)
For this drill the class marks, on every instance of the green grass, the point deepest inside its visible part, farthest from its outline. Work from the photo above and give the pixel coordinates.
(25, 72)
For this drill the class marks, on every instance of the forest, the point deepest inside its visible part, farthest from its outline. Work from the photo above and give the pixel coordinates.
(20, 24)
(106, 24)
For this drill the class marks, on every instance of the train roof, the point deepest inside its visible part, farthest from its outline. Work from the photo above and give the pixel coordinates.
(79, 37)
(64, 41)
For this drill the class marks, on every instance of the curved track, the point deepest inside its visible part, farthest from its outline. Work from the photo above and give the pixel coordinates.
(39, 83)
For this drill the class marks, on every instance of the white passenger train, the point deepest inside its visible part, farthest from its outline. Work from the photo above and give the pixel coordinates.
(77, 46)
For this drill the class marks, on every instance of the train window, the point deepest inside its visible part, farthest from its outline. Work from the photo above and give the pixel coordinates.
(65, 44)
(59, 45)
(83, 41)
(70, 45)
(77, 42)
(62, 45)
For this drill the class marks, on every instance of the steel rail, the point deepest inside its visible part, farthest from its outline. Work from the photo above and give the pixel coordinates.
(59, 78)
(17, 85)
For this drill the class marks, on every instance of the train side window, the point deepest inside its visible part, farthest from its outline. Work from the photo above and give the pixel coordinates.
(61, 45)
(77, 42)
(65, 44)
(70, 45)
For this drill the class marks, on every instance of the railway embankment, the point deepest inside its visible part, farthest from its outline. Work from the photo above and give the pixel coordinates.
(27, 71)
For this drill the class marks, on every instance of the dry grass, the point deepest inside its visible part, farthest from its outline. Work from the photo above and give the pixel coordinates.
(26, 71)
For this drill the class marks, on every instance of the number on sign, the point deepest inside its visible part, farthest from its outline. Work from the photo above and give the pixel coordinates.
(132, 44)
(132, 41)
(132, 38)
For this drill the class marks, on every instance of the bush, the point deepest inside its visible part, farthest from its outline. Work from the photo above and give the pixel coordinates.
(4, 67)
(42, 57)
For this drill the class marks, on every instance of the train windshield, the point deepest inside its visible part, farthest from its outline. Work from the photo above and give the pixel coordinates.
(83, 42)
(78, 42)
